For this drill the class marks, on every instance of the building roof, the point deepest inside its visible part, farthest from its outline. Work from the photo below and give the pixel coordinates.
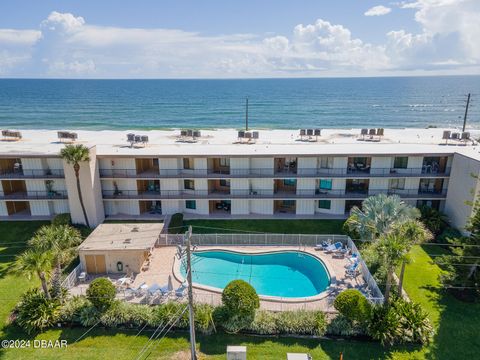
(133, 236)
(224, 142)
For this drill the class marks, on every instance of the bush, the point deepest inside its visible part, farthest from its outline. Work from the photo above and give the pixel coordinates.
(89, 315)
(400, 322)
(341, 326)
(101, 293)
(301, 322)
(448, 233)
(204, 318)
(434, 220)
(264, 323)
(176, 224)
(166, 313)
(62, 219)
(353, 305)
(71, 309)
(240, 298)
(35, 312)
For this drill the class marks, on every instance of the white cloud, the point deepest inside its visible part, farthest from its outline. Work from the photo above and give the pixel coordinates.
(378, 11)
(68, 46)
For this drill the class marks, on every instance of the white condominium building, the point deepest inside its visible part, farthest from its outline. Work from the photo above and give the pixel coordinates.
(216, 174)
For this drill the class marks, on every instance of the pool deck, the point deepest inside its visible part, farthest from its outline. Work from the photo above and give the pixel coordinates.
(163, 264)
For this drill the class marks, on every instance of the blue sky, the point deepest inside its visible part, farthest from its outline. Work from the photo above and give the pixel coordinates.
(213, 38)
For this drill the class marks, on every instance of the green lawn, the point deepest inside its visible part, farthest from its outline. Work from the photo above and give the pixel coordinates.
(456, 322)
(270, 226)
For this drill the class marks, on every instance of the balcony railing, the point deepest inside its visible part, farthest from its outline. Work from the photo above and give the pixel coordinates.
(271, 172)
(31, 174)
(265, 194)
(34, 195)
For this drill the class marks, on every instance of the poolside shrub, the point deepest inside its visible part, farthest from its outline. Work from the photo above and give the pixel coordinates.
(62, 219)
(176, 224)
(116, 315)
(139, 315)
(89, 315)
(101, 293)
(341, 326)
(71, 309)
(35, 312)
(264, 323)
(353, 305)
(204, 318)
(168, 312)
(302, 322)
(240, 298)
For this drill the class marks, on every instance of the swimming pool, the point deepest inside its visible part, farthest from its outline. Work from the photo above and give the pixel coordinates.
(290, 274)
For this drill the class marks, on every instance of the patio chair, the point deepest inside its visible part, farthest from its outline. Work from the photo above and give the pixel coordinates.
(334, 247)
(180, 292)
(353, 270)
(323, 245)
(340, 253)
(352, 259)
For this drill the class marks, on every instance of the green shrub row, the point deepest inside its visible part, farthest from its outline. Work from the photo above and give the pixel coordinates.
(297, 322)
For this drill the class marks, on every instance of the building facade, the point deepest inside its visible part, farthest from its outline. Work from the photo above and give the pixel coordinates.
(277, 176)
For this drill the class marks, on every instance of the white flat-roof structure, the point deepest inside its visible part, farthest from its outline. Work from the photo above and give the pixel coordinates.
(113, 248)
(221, 175)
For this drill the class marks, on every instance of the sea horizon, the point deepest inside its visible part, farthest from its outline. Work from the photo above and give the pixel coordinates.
(274, 103)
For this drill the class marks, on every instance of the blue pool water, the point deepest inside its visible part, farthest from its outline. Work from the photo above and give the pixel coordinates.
(284, 274)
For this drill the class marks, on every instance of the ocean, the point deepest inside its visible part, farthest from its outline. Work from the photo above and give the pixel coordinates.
(273, 103)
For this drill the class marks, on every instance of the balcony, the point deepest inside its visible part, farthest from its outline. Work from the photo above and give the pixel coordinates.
(285, 187)
(359, 165)
(266, 194)
(219, 166)
(267, 173)
(147, 167)
(285, 165)
(13, 169)
(34, 195)
(284, 207)
(435, 165)
(357, 186)
(219, 187)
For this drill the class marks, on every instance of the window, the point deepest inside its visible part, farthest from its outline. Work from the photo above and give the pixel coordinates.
(397, 184)
(324, 204)
(189, 184)
(224, 162)
(224, 183)
(191, 204)
(325, 184)
(400, 162)
(289, 182)
(326, 162)
(188, 163)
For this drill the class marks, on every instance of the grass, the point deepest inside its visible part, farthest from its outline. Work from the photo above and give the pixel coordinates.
(456, 322)
(269, 226)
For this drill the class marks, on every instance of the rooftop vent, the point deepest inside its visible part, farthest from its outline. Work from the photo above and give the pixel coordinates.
(127, 241)
(135, 229)
(189, 135)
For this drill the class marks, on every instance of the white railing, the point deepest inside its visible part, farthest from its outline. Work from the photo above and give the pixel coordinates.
(374, 295)
(71, 279)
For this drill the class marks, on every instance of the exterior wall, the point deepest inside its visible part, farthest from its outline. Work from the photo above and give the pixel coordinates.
(239, 164)
(200, 165)
(3, 209)
(122, 207)
(337, 208)
(305, 207)
(202, 207)
(240, 207)
(265, 185)
(262, 207)
(461, 188)
(380, 163)
(168, 166)
(263, 164)
(119, 164)
(91, 191)
(132, 258)
(170, 207)
(307, 165)
(340, 162)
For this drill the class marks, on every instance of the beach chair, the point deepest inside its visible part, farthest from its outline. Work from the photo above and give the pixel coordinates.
(334, 247)
(180, 292)
(353, 270)
(323, 245)
(352, 259)
(340, 253)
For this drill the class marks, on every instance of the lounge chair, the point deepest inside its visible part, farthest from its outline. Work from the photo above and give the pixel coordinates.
(323, 245)
(180, 292)
(134, 291)
(334, 247)
(340, 253)
(352, 259)
(353, 270)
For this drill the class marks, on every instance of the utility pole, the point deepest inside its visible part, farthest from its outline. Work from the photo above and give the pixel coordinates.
(466, 112)
(191, 316)
(246, 114)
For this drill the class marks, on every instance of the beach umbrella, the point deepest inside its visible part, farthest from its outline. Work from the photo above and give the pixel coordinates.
(170, 284)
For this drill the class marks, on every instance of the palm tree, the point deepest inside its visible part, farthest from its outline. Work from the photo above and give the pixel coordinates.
(74, 155)
(37, 262)
(394, 246)
(378, 214)
(415, 232)
(61, 241)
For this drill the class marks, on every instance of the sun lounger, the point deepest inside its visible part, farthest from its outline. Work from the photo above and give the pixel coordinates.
(352, 271)
(334, 247)
(353, 258)
(180, 292)
(323, 245)
(340, 253)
